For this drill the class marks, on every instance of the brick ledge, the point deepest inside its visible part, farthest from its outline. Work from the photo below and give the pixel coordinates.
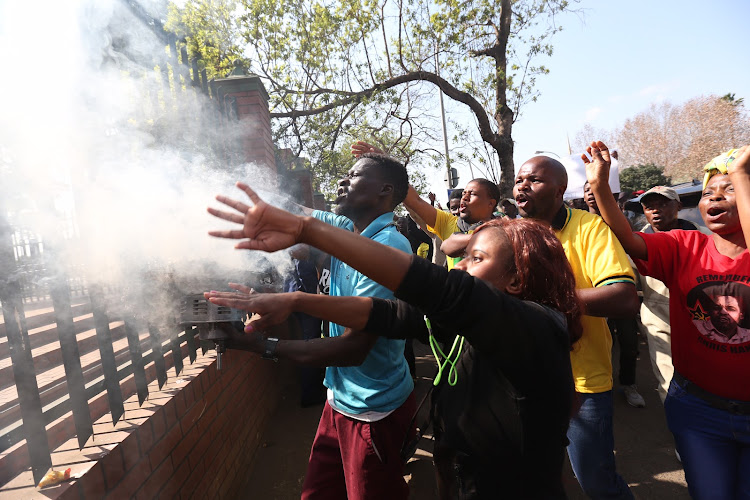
(185, 440)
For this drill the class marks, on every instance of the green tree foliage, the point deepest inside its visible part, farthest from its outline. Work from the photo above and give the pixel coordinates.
(370, 69)
(211, 31)
(731, 99)
(642, 177)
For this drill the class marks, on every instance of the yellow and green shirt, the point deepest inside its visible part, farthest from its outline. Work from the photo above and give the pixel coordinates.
(597, 259)
(445, 225)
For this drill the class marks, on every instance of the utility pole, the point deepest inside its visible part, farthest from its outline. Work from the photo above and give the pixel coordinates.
(442, 114)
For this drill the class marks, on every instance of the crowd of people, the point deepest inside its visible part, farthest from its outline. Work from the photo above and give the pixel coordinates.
(517, 319)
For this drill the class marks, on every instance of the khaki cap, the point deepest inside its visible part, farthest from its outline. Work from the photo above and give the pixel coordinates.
(664, 191)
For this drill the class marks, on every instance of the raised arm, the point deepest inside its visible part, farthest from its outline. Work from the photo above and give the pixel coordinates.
(416, 218)
(269, 229)
(424, 210)
(597, 173)
(739, 174)
(431, 197)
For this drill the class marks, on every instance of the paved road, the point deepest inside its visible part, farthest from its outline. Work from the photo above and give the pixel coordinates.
(644, 446)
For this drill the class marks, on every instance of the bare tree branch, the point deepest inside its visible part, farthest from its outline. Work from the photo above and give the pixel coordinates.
(446, 87)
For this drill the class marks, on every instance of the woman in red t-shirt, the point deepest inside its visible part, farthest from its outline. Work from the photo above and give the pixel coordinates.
(708, 403)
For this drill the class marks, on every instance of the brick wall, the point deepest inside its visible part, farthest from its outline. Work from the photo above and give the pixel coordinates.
(194, 438)
(251, 106)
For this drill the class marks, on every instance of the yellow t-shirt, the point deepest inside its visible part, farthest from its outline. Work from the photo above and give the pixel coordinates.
(423, 250)
(445, 225)
(597, 259)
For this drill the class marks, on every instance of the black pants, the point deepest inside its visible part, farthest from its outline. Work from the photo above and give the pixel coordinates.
(626, 331)
(313, 391)
(462, 477)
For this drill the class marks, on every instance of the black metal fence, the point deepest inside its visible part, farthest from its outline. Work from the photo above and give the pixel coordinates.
(115, 346)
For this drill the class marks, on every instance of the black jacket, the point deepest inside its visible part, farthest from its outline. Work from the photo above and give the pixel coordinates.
(510, 409)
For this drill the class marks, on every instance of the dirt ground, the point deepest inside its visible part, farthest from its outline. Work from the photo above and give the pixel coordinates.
(644, 447)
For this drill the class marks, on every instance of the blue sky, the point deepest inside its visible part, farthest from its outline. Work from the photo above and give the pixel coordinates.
(616, 58)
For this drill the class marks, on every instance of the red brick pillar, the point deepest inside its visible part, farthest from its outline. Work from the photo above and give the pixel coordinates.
(319, 202)
(300, 187)
(246, 97)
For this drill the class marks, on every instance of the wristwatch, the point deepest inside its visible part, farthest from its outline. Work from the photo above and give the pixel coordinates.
(269, 350)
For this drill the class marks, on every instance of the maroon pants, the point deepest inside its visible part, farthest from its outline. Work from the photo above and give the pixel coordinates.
(354, 460)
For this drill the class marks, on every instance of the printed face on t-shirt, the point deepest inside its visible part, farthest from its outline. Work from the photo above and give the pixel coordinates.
(718, 311)
(726, 315)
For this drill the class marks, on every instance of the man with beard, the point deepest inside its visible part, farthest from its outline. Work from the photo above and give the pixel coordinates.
(367, 415)
(606, 288)
(726, 312)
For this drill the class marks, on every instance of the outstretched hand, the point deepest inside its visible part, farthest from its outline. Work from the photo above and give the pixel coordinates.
(268, 309)
(361, 147)
(597, 168)
(264, 227)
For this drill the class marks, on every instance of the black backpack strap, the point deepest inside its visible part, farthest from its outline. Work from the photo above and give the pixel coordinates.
(409, 447)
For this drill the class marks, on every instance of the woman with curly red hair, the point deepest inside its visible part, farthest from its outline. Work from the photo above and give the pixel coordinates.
(504, 392)
(544, 277)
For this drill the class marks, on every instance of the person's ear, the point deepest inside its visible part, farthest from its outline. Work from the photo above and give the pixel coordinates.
(387, 189)
(514, 286)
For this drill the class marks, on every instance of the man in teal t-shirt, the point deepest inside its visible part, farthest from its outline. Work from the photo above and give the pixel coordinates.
(368, 413)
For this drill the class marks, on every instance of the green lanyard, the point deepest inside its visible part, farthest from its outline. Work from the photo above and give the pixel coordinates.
(450, 359)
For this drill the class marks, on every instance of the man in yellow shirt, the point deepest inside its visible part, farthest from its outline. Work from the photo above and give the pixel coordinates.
(478, 202)
(605, 285)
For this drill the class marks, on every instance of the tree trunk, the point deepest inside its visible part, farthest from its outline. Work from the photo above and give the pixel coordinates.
(503, 114)
(507, 172)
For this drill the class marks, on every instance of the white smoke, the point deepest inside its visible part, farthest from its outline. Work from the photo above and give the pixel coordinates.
(94, 152)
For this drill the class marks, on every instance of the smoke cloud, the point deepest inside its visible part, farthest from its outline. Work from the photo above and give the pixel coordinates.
(97, 157)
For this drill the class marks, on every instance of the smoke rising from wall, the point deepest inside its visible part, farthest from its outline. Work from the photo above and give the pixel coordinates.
(97, 158)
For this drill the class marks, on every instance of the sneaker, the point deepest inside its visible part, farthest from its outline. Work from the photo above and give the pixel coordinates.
(632, 396)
